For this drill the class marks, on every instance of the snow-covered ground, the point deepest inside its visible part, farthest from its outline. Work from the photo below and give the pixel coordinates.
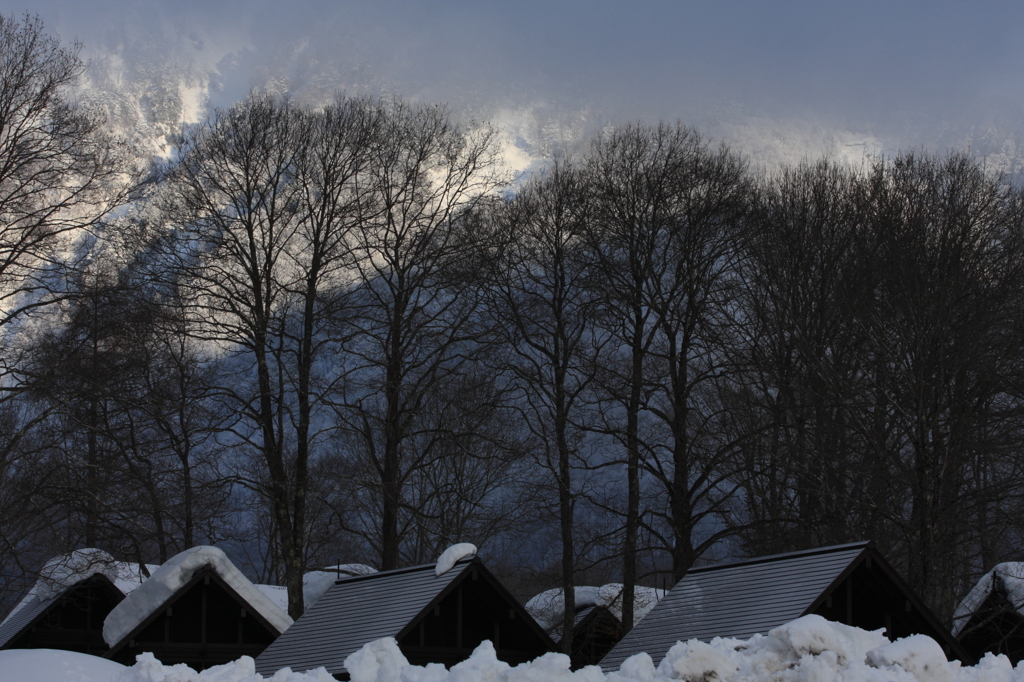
(49, 665)
(809, 649)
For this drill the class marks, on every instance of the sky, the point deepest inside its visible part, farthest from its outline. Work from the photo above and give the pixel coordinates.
(881, 75)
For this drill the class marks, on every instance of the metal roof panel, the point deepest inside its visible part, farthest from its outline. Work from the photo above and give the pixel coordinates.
(737, 599)
(353, 612)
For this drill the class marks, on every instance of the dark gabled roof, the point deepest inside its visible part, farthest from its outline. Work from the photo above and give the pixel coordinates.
(738, 599)
(582, 615)
(32, 609)
(355, 611)
(362, 609)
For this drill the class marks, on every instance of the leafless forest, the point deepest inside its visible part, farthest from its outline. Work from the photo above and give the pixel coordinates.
(346, 334)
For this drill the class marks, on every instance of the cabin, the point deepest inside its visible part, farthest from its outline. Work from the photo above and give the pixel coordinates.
(197, 609)
(437, 614)
(595, 631)
(989, 619)
(66, 607)
(850, 584)
(597, 625)
(71, 620)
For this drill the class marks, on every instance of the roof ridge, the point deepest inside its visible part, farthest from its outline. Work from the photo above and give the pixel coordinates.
(863, 544)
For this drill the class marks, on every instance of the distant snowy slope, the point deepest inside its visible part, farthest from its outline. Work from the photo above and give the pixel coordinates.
(150, 78)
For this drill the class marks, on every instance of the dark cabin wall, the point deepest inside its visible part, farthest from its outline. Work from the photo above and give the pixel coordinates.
(869, 599)
(594, 636)
(75, 621)
(472, 612)
(207, 624)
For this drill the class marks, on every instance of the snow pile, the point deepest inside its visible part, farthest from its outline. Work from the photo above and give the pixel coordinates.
(173, 575)
(1007, 576)
(809, 649)
(547, 607)
(452, 556)
(51, 665)
(148, 669)
(919, 655)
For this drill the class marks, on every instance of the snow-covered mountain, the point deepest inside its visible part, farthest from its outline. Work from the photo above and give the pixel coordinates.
(150, 78)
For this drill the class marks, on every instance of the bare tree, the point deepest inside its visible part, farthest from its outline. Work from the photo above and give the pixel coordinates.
(58, 175)
(662, 233)
(545, 305)
(799, 380)
(58, 178)
(238, 210)
(416, 321)
(693, 297)
(944, 243)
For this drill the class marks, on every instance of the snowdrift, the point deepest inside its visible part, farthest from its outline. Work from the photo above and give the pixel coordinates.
(809, 649)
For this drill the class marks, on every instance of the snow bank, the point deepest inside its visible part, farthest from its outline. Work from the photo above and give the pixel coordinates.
(173, 575)
(809, 649)
(919, 655)
(1008, 575)
(148, 669)
(547, 607)
(51, 665)
(452, 555)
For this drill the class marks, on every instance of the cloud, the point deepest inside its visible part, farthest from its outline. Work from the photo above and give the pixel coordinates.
(907, 73)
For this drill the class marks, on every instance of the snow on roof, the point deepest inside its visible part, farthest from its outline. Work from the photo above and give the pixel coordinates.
(452, 555)
(130, 575)
(174, 575)
(60, 573)
(314, 585)
(65, 571)
(346, 570)
(546, 607)
(1010, 574)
